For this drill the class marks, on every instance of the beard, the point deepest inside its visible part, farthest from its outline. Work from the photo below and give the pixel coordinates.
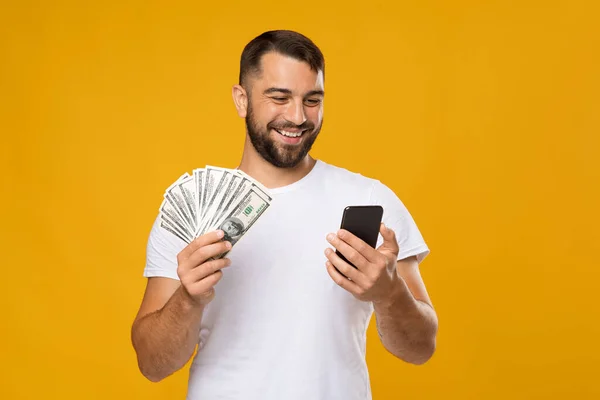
(279, 154)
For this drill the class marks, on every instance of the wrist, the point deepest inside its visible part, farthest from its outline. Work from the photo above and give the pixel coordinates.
(188, 303)
(397, 297)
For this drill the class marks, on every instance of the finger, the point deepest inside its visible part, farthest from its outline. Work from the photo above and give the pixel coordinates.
(200, 241)
(389, 240)
(204, 285)
(204, 253)
(351, 253)
(342, 281)
(206, 269)
(368, 252)
(348, 270)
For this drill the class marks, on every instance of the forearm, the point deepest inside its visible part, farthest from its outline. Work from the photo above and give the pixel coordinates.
(407, 327)
(166, 339)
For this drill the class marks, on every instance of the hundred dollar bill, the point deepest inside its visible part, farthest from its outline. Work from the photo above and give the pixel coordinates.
(244, 186)
(198, 175)
(251, 185)
(221, 200)
(174, 184)
(240, 219)
(170, 227)
(175, 197)
(247, 183)
(168, 213)
(214, 177)
(187, 187)
(221, 189)
(255, 182)
(213, 198)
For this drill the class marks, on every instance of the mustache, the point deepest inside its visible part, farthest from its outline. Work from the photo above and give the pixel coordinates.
(306, 125)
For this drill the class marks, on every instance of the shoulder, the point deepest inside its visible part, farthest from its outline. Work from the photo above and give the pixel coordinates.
(342, 176)
(372, 189)
(375, 189)
(162, 249)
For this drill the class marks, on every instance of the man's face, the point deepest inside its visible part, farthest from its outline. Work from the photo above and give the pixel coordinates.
(285, 109)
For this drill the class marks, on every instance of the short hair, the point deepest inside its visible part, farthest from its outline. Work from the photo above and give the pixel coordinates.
(284, 42)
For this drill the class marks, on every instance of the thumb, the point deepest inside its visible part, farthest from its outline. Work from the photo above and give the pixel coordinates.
(389, 240)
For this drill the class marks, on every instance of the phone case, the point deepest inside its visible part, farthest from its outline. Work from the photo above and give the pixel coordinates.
(363, 222)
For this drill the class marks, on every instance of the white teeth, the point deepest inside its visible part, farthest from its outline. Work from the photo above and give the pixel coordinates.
(290, 134)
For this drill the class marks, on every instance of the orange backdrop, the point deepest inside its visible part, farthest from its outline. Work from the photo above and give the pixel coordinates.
(482, 116)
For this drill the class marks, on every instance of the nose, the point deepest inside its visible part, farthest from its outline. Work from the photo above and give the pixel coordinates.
(295, 113)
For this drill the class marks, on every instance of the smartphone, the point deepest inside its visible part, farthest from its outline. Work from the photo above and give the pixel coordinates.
(363, 222)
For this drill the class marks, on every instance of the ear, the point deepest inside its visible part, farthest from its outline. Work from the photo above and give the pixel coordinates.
(240, 99)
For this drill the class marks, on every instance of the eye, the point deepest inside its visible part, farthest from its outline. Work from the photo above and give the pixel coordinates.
(279, 98)
(313, 102)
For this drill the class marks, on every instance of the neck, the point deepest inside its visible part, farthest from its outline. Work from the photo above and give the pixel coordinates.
(269, 175)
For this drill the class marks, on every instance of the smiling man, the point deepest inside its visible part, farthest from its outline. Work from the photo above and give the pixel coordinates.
(275, 319)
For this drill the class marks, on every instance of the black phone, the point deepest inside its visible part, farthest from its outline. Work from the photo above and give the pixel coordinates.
(363, 222)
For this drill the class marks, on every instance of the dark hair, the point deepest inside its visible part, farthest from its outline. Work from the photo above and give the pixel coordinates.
(285, 42)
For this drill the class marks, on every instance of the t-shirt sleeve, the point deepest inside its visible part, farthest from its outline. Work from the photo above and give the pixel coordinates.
(397, 217)
(161, 252)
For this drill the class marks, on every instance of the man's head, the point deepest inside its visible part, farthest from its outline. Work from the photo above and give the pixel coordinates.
(280, 95)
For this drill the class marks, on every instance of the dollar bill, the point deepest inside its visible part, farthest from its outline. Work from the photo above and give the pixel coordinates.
(213, 183)
(198, 175)
(170, 227)
(187, 188)
(175, 197)
(168, 212)
(213, 198)
(254, 181)
(240, 219)
(241, 190)
(222, 200)
(222, 178)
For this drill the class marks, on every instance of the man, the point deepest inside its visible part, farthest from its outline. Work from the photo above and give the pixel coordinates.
(282, 322)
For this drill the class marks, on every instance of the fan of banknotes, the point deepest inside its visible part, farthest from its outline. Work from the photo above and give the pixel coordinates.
(213, 198)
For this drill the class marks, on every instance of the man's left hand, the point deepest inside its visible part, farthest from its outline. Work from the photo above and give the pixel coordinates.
(375, 275)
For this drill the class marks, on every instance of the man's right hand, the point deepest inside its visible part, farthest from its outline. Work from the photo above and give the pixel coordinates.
(197, 273)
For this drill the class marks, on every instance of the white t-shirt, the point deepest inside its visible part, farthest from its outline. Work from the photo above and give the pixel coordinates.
(279, 327)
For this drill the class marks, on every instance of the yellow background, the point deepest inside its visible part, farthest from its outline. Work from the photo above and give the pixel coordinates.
(482, 116)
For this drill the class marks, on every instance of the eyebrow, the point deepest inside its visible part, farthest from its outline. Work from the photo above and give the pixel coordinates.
(289, 92)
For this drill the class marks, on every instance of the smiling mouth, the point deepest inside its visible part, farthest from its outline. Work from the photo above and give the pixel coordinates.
(290, 134)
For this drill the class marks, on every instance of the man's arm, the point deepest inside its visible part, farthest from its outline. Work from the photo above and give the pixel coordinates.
(166, 329)
(407, 322)
(165, 332)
